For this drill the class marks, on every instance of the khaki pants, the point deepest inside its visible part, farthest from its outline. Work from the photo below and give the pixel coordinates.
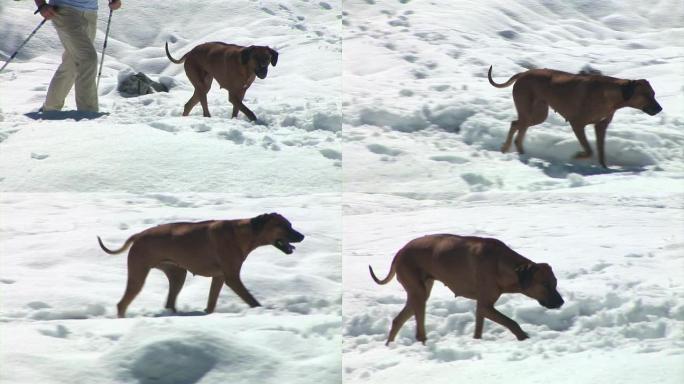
(76, 30)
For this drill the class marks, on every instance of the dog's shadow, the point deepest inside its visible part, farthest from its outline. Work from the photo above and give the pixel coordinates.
(179, 314)
(561, 170)
(65, 115)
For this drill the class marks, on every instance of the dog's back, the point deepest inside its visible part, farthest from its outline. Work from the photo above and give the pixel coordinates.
(436, 255)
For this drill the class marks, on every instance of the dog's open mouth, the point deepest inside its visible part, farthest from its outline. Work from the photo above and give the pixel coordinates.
(284, 246)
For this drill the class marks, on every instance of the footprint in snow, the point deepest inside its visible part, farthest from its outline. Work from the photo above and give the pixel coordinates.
(39, 156)
(382, 150)
(60, 331)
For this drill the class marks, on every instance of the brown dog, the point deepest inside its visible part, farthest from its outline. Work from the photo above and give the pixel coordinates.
(580, 99)
(473, 267)
(215, 248)
(234, 68)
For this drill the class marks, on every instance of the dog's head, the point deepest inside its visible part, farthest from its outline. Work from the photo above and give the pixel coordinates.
(538, 282)
(640, 95)
(257, 59)
(274, 229)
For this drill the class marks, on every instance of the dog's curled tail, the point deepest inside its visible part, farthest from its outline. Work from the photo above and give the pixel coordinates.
(117, 251)
(387, 279)
(168, 54)
(503, 85)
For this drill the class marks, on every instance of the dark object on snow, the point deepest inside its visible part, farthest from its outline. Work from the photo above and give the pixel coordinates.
(138, 85)
(589, 70)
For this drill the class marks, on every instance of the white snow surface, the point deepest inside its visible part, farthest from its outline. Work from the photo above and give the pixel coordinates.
(59, 290)
(297, 105)
(619, 265)
(67, 179)
(375, 128)
(421, 136)
(418, 109)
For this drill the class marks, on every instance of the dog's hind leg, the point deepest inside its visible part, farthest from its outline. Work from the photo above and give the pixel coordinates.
(176, 276)
(600, 129)
(137, 273)
(509, 139)
(419, 300)
(417, 291)
(206, 86)
(581, 136)
(399, 321)
(202, 83)
(540, 110)
(216, 285)
(194, 99)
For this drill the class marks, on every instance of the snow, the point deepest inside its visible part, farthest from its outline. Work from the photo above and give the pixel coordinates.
(377, 126)
(618, 260)
(298, 105)
(59, 289)
(68, 177)
(422, 131)
(415, 83)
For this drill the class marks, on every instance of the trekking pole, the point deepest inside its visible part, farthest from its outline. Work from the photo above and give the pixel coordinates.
(22, 44)
(109, 21)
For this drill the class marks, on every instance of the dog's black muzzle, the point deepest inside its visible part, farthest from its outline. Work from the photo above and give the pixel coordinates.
(554, 303)
(295, 237)
(261, 72)
(653, 109)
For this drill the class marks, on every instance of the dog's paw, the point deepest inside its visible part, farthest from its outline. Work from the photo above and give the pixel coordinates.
(522, 336)
(582, 155)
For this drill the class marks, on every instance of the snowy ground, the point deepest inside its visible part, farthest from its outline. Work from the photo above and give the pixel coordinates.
(421, 136)
(59, 290)
(298, 104)
(619, 265)
(419, 127)
(418, 109)
(67, 178)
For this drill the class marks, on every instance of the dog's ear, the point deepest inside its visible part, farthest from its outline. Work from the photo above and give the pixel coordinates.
(628, 89)
(258, 223)
(246, 54)
(525, 273)
(274, 56)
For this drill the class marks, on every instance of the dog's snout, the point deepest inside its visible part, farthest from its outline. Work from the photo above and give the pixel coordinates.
(296, 237)
(653, 109)
(559, 303)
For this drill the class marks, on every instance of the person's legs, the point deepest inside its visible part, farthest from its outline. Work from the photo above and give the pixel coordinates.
(76, 31)
(64, 77)
(86, 74)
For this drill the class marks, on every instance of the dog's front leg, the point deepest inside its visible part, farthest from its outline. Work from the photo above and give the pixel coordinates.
(250, 115)
(479, 323)
(234, 282)
(488, 311)
(216, 285)
(233, 98)
(236, 99)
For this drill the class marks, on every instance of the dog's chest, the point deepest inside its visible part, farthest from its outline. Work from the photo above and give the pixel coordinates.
(249, 81)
